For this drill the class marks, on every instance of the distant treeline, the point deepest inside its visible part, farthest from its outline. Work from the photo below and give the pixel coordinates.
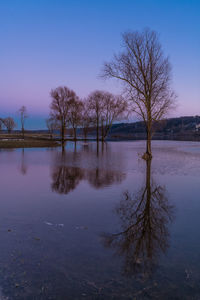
(183, 128)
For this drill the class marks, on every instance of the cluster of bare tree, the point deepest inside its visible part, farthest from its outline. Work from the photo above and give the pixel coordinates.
(9, 123)
(99, 110)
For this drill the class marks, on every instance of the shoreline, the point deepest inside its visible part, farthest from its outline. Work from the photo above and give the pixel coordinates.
(12, 143)
(8, 144)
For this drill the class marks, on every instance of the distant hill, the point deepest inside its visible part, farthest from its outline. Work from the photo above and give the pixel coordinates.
(183, 128)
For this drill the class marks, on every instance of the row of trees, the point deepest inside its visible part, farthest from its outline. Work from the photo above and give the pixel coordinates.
(99, 110)
(145, 74)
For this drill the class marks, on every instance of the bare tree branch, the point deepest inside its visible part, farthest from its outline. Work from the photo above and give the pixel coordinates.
(146, 77)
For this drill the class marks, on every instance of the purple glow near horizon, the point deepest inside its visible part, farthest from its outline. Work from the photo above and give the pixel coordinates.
(47, 44)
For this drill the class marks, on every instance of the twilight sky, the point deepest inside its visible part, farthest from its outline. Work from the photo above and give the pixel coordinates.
(47, 43)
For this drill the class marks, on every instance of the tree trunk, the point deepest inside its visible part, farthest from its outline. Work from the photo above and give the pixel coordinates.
(63, 149)
(148, 177)
(23, 132)
(148, 145)
(148, 154)
(102, 148)
(97, 128)
(148, 186)
(74, 133)
(62, 132)
(75, 146)
(106, 131)
(102, 132)
(85, 135)
(97, 148)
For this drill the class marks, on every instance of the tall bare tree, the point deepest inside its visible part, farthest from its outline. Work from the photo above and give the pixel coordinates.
(146, 75)
(61, 96)
(23, 116)
(9, 123)
(75, 114)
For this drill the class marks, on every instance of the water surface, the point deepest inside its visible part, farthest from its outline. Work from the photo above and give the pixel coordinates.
(100, 223)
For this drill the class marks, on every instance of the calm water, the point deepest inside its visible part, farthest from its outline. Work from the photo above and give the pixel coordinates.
(88, 223)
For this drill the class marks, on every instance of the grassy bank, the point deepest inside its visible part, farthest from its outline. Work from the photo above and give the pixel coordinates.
(31, 140)
(27, 143)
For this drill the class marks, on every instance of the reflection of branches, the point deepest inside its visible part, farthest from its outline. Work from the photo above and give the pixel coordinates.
(144, 233)
(65, 178)
(103, 177)
(72, 167)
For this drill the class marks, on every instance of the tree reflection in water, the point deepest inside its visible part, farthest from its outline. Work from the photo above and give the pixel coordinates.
(23, 167)
(69, 168)
(65, 178)
(99, 178)
(144, 236)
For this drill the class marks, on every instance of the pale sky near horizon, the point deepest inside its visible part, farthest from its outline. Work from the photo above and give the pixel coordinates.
(47, 43)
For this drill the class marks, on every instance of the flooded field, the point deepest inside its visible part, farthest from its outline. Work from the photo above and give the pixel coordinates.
(90, 222)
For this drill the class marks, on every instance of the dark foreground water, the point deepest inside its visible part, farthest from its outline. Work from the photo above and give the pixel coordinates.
(88, 223)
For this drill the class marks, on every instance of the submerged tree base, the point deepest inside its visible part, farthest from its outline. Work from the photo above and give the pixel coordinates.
(147, 156)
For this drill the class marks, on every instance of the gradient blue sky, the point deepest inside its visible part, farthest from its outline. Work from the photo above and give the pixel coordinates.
(46, 43)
